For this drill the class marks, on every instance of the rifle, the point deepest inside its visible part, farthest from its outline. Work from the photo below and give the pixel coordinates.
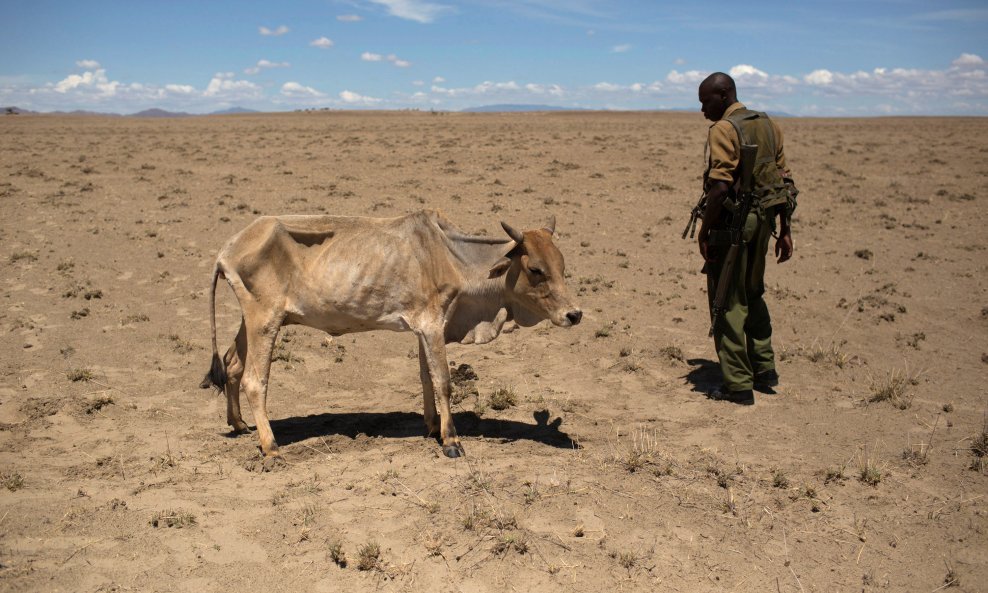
(695, 214)
(741, 210)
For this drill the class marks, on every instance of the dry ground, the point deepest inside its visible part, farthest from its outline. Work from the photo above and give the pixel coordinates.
(611, 471)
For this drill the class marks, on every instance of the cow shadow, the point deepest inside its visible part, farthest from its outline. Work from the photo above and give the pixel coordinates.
(704, 377)
(411, 425)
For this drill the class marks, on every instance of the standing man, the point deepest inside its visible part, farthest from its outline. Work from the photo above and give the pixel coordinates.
(743, 334)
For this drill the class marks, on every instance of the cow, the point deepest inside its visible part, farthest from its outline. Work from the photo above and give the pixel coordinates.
(346, 274)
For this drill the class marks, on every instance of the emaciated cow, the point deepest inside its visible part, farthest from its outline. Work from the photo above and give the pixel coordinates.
(345, 274)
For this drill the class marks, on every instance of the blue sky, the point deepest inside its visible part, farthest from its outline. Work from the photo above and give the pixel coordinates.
(838, 57)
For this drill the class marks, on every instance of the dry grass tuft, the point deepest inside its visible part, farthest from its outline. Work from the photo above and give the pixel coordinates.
(503, 398)
(893, 388)
(369, 556)
(76, 375)
(337, 555)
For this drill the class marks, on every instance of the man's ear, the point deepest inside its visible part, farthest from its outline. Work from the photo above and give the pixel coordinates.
(499, 268)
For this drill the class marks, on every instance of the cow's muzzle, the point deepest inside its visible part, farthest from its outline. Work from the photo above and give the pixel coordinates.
(572, 317)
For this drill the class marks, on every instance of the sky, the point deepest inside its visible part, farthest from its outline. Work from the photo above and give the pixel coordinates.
(807, 58)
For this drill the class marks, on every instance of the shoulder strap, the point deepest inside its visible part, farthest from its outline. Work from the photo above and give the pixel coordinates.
(744, 115)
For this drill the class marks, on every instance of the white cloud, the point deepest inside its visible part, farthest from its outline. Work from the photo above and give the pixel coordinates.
(265, 65)
(486, 88)
(372, 57)
(414, 10)
(820, 77)
(967, 60)
(679, 61)
(93, 64)
(322, 42)
(606, 87)
(223, 84)
(418, 83)
(294, 89)
(620, 49)
(438, 80)
(180, 89)
(94, 81)
(349, 18)
(281, 30)
(746, 70)
(352, 98)
(689, 77)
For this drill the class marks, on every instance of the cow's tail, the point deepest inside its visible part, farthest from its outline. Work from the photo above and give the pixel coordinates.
(216, 375)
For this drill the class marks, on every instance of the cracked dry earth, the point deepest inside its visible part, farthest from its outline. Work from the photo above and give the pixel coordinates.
(594, 460)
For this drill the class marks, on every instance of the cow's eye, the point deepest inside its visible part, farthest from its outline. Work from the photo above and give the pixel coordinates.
(536, 272)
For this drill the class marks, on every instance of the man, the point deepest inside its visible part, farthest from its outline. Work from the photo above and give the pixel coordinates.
(743, 334)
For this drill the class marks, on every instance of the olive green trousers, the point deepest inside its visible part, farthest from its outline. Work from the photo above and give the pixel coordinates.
(743, 334)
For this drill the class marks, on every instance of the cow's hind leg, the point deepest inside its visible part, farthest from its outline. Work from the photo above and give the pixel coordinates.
(234, 360)
(261, 330)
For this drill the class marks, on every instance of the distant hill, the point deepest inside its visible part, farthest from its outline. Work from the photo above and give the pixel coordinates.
(234, 110)
(514, 108)
(160, 113)
(13, 110)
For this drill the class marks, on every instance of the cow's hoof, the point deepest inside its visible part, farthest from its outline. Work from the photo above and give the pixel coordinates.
(453, 451)
(240, 428)
(272, 463)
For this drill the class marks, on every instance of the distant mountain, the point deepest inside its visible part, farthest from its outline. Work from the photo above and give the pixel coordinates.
(81, 112)
(13, 110)
(513, 108)
(234, 110)
(160, 113)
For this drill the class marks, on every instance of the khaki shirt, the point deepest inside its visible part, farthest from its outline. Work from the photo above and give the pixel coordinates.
(723, 149)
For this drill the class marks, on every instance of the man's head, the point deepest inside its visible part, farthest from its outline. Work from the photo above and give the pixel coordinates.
(717, 93)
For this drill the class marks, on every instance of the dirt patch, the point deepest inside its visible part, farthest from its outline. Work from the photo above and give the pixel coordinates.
(594, 461)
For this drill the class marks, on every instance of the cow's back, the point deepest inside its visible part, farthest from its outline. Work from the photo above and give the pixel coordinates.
(341, 273)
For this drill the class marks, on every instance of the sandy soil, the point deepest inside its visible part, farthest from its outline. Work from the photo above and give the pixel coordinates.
(611, 472)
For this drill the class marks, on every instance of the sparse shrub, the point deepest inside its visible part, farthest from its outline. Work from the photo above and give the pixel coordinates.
(76, 375)
(868, 472)
(510, 540)
(177, 519)
(337, 555)
(673, 353)
(22, 255)
(979, 448)
(779, 479)
(834, 474)
(98, 404)
(603, 331)
(369, 556)
(503, 398)
(892, 388)
(12, 481)
(627, 560)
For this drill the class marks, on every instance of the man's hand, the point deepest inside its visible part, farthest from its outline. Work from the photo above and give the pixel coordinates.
(703, 240)
(783, 246)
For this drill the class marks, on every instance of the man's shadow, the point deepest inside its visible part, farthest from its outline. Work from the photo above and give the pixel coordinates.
(410, 425)
(704, 377)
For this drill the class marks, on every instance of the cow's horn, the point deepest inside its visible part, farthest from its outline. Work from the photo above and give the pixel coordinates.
(518, 237)
(551, 225)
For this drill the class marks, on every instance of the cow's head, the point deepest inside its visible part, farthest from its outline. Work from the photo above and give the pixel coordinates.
(534, 278)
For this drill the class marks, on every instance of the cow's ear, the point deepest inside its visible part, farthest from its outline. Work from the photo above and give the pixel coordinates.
(499, 268)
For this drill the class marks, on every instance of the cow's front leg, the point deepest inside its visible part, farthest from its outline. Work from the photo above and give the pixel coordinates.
(434, 347)
(432, 426)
